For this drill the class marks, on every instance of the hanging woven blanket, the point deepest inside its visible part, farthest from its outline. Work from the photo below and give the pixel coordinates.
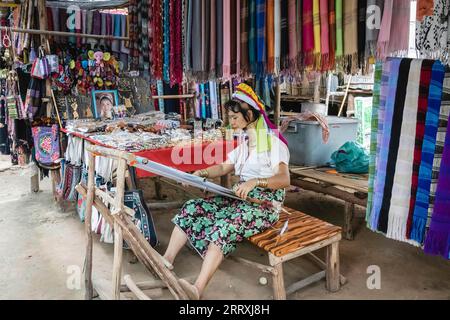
(420, 215)
(438, 237)
(424, 90)
(292, 27)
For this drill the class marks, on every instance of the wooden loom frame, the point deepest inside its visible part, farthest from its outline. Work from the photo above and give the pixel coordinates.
(124, 229)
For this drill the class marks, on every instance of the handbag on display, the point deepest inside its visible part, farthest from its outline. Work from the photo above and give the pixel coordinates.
(11, 104)
(40, 68)
(46, 144)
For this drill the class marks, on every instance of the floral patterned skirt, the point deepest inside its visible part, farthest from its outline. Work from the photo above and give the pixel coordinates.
(226, 222)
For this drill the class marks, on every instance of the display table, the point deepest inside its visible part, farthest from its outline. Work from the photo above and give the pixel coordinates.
(351, 188)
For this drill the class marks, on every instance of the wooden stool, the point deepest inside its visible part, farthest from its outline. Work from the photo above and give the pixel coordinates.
(304, 235)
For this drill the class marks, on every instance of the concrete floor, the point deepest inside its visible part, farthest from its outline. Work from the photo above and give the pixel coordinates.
(42, 249)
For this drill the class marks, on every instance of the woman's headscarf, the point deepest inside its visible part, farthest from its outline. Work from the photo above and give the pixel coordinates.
(264, 127)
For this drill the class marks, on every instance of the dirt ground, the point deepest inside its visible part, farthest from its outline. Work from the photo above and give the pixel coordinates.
(42, 249)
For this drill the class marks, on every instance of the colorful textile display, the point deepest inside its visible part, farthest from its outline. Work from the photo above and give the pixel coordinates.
(46, 144)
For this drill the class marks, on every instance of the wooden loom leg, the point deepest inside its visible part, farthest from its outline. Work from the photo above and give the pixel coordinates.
(279, 291)
(88, 229)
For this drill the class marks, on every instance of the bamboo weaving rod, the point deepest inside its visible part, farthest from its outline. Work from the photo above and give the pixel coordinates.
(183, 96)
(63, 34)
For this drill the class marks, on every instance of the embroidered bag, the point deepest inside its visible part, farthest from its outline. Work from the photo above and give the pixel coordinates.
(46, 144)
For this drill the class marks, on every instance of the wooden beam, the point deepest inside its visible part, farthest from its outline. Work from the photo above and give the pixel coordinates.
(88, 227)
(305, 282)
(134, 288)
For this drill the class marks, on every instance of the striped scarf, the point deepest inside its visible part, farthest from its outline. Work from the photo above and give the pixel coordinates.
(332, 22)
(428, 150)
(308, 33)
(424, 90)
(351, 36)
(166, 41)
(284, 35)
(277, 36)
(252, 36)
(401, 190)
(316, 26)
(324, 35)
(391, 70)
(261, 39)
(270, 37)
(244, 38)
(339, 30)
(374, 132)
(292, 28)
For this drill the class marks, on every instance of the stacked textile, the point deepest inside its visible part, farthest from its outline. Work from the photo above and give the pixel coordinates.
(408, 185)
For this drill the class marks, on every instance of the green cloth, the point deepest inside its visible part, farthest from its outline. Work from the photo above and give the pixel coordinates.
(339, 29)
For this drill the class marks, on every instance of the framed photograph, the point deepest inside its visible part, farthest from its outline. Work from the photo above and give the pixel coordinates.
(104, 102)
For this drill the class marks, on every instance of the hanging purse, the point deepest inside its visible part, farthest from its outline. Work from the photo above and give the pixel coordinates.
(40, 69)
(46, 144)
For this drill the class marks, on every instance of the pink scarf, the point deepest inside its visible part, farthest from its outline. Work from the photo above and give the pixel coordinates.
(238, 38)
(308, 32)
(324, 36)
(292, 22)
(385, 31)
(226, 40)
(399, 39)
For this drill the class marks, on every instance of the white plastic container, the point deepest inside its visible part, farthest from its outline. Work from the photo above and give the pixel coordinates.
(306, 145)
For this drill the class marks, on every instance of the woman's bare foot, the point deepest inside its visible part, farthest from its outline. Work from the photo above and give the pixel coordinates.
(190, 289)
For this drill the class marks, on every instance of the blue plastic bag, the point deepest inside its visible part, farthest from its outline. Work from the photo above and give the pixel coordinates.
(351, 158)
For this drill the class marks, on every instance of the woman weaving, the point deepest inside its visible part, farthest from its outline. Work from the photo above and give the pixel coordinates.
(214, 226)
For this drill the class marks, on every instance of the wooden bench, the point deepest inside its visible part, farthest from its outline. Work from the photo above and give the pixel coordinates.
(305, 234)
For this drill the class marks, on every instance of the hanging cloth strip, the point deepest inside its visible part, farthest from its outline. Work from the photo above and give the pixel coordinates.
(212, 40)
(292, 28)
(385, 30)
(270, 37)
(362, 12)
(233, 38)
(420, 214)
(374, 13)
(339, 31)
(261, 39)
(425, 80)
(391, 73)
(308, 33)
(373, 135)
(351, 36)
(399, 39)
(188, 40)
(206, 37)
(401, 190)
(252, 36)
(317, 43)
(166, 41)
(226, 40)
(196, 36)
(332, 32)
(238, 37)
(219, 42)
(438, 237)
(244, 38)
(299, 32)
(277, 36)
(393, 147)
(324, 36)
(284, 35)
(157, 49)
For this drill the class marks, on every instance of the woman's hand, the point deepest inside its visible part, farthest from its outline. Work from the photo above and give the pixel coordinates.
(244, 189)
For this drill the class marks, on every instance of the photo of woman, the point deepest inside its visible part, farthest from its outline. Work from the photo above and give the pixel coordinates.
(104, 103)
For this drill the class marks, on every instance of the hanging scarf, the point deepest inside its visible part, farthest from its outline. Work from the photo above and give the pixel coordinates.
(339, 30)
(351, 36)
(374, 132)
(308, 33)
(177, 62)
(219, 43)
(399, 39)
(373, 22)
(213, 99)
(317, 42)
(261, 39)
(270, 37)
(284, 35)
(252, 36)
(277, 36)
(55, 19)
(324, 35)
(332, 32)
(238, 37)
(438, 237)
(432, 33)
(173, 31)
(244, 38)
(292, 27)
(388, 93)
(226, 40)
(196, 38)
(115, 47)
(206, 8)
(299, 32)
(233, 38)
(212, 51)
(157, 40)
(393, 147)
(401, 190)
(188, 39)
(425, 80)
(385, 30)
(420, 214)
(362, 12)
(166, 41)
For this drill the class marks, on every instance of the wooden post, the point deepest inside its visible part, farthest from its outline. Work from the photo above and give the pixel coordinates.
(348, 223)
(56, 180)
(118, 237)
(35, 182)
(333, 268)
(277, 111)
(279, 292)
(88, 229)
